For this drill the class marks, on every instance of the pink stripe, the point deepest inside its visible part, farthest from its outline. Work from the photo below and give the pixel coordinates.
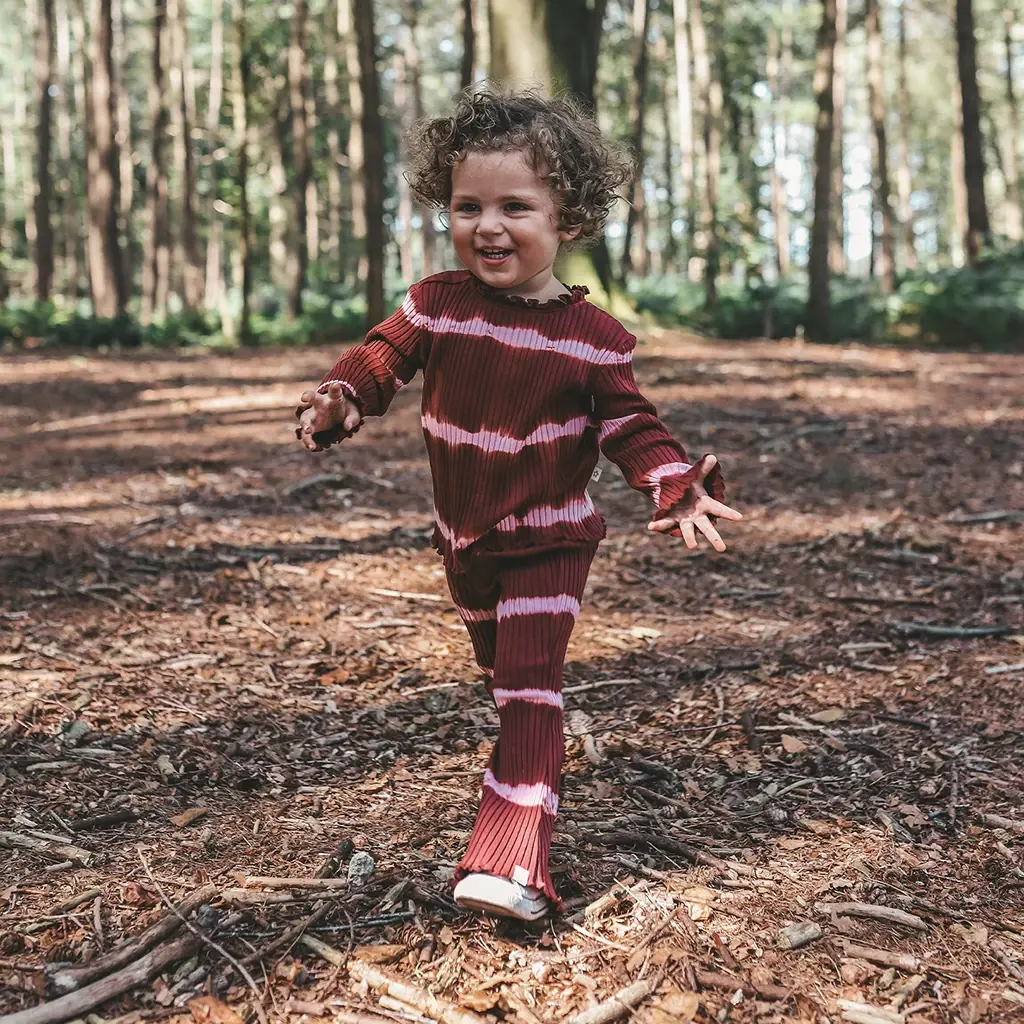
(655, 476)
(557, 605)
(537, 795)
(575, 511)
(609, 427)
(494, 441)
(412, 314)
(525, 338)
(352, 393)
(550, 697)
(477, 614)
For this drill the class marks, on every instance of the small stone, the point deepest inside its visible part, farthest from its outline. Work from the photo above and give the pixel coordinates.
(799, 934)
(360, 867)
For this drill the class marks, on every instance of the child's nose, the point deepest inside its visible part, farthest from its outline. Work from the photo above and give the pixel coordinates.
(490, 222)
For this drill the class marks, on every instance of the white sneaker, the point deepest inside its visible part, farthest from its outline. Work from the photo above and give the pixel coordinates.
(501, 896)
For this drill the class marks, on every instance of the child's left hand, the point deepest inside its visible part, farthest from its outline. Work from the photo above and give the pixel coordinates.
(687, 519)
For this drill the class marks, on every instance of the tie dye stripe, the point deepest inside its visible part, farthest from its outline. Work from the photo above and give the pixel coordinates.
(558, 604)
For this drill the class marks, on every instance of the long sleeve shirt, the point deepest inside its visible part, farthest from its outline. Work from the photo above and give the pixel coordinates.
(519, 399)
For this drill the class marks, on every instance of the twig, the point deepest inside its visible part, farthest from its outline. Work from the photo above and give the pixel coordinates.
(1014, 515)
(998, 670)
(619, 1004)
(715, 979)
(711, 736)
(68, 979)
(904, 961)
(323, 950)
(293, 883)
(74, 901)
(998, 821)
(424, 1001)
(877, 913)
(216, 947)
(660, 843)
(406, 595)
(290, 937)
(79, 1003)
(103, 820)
(951, 632)
(583, 687)
(64, 851)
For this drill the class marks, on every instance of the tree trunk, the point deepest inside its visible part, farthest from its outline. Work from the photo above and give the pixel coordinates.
(837, 206)
(468, 44)
(958, 183)
(978, 231)
(520, 57)
(373, 168)
(670, 245)
(156, 258)
(335, 161)
(412, 68)
(214, 289)
(637, 117)
(126, 172)
(903, 179)
(482, 38)
(684, 100)
(1013, 204)
(356, 143)
(818, 303)
(276, 149)
(876, 101)
(709, 88)
(45, 56)
(780, 208)
(68, 177)
(105, 273)
(240, 89)
(405, 241)
(298, 255)
(183, 120)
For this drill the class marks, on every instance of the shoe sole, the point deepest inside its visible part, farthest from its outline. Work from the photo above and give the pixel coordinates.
(498, 910)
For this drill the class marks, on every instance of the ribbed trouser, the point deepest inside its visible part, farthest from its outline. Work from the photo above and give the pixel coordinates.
(520, 613)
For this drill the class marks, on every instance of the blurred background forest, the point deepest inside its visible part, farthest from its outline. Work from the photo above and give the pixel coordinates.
(231, 171)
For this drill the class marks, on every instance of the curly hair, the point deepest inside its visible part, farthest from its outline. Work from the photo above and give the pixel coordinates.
(561, 138)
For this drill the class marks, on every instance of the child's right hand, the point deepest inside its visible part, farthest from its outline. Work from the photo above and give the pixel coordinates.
(323, 414)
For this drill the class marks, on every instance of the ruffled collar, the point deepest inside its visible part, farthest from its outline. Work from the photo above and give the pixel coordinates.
(576, 293)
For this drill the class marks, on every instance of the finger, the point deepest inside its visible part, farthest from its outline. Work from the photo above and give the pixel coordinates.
(709, 462)
(334, 391)
(306, 398)
(715, 508)
(707, 528)
(352, 417)
(689, 535)
(662, 525)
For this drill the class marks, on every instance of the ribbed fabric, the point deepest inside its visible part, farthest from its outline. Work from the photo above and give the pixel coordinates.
(520, 613)
(518, 399)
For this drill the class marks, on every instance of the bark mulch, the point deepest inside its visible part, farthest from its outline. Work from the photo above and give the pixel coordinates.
(232, 680)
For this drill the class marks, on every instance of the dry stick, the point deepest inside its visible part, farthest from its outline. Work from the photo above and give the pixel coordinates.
(714, 979)
(216, 947)
(619, 1004)
(998, 821)
(70, 978)
(103, 820)
(962, 632)
(64, 851)
(74, 901)
(290, 937)
(294, 883)
(877, 913)
(78, 1004)
(660, 843)
(904, 961)
(428, 1004)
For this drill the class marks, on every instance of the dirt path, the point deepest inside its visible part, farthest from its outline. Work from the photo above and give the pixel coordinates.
(248, 655)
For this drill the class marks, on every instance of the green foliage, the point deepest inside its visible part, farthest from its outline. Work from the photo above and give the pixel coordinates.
(974, 308)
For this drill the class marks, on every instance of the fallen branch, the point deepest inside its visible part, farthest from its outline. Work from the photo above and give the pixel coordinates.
(583, 687)
(322, 950)
(904, 961)
(290, 937)
(78, 1004)
(424, 1001)
(618, 1005)
(999, 516)
(103, 820)
(63, 851)
(293, 883)
(68, 979)
(998, 821)
(865, 1013)
(660, 843)
(74, 901)
(998, 670)
(728, 983)
(950, 632)
(875, 912)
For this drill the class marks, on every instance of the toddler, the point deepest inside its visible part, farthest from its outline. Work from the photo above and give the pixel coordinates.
(525, 383)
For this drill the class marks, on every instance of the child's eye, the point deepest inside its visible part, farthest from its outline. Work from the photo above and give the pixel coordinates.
(516, 207)
(467, 208)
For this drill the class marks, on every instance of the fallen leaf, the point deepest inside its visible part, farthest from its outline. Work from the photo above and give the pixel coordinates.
(335, 677)
(210, 1010)
(479, 1001)
(381, 954)
(446, 936)
(827, 716)
(792, 745)
(676, 1008)
(793, 844)
(188, 817)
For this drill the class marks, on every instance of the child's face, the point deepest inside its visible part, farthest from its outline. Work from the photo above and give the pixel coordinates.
(504, 223)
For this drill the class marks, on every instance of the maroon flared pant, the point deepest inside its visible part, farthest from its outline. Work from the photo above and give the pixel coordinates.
(520, 613)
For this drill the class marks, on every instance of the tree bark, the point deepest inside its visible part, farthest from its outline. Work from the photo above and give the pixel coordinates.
(183, 120)
(519, 56)
(276, 150)
(240, 89)
(780, 208)
(373, 169)
(978, 231)
(837, 240)
(958, 182)
(298, 254)
(468, 44)
(637, 118)
(335, 160)
(156, 258)
(67, 192)
(405, 241)
(709, 88)
(876, 100)
(670, 245)
(684, 101)
(126, 172)
(106, 277)
(45, 56)
(818, 303)
(412, 67)
(903, 177)
(356, 143)
(214, 289)
(1012, 214)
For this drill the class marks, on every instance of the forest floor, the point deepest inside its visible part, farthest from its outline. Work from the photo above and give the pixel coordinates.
(221, 658)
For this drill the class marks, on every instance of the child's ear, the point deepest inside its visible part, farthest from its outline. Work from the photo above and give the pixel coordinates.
(568, 233)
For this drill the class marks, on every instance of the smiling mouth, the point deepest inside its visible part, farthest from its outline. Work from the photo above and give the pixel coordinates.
(494, 255)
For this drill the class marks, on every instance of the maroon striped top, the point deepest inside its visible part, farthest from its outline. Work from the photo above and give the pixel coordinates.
(519, 397)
